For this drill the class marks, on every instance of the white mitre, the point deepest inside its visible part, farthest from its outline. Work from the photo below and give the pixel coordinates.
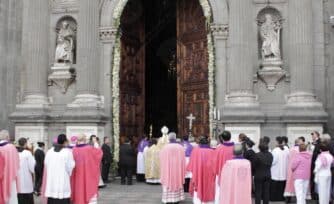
(164, 139)
(164, 130)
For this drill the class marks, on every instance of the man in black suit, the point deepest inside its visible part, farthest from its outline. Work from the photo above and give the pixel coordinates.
(106, 159)
(127, 161)
(39, 167)
(262, 175)
(316, 152)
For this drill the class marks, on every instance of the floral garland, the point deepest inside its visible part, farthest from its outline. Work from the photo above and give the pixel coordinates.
(116, 67)
(115, 96)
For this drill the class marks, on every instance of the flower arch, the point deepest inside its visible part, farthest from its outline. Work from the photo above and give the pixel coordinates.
(117, 13)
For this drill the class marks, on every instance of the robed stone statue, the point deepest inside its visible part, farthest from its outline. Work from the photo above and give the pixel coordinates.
(270, 34)
(65, 44)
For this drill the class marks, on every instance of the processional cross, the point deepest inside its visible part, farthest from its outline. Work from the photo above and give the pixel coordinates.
(191, 118)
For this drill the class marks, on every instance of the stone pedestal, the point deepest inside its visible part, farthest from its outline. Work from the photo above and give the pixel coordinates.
(63, 75)
(253, 131)
(271, 73)
(87, 129)
(36, 132)
(297, 130)
(242, 107)
(304, 108)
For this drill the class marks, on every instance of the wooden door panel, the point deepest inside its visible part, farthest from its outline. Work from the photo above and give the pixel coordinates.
(132, 73)
(192, 67)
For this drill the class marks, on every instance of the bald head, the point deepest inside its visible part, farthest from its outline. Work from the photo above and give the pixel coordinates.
(4, 135)
(237, 150)
(82, 138)
(172, 136)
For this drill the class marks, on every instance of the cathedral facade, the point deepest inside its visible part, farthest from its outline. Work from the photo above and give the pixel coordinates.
(260, 67)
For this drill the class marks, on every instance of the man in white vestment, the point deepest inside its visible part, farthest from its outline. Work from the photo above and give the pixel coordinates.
(59, 164)
(25, 175)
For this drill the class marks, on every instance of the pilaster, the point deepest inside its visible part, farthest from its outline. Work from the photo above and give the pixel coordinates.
(241, 104)
(35, 104)
(302, 104)
(87, 103)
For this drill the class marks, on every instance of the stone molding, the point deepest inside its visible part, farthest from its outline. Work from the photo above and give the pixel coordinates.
(253, 131)
(107, 34)
(303, 107)
(269, 1)
(87, 129)
(64, 7)
(219, 31)
(296, 130)
(35, 133)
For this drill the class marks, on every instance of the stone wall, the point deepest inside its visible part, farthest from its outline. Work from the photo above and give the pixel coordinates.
(10, 58)
(329, 63)
(64, 108)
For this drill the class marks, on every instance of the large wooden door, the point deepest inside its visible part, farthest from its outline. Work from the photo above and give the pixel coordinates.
(132, 71)
(192, 67)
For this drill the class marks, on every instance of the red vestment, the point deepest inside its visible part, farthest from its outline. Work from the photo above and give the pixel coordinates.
(12, 161)
(2, 169)
(223, 153)
(236, 182)
(201, 165)
(172, 166)
(86, 173)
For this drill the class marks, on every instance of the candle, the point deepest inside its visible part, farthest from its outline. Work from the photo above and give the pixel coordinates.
(214, 113)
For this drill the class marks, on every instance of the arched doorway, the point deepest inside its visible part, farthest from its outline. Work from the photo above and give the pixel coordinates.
(163, 69)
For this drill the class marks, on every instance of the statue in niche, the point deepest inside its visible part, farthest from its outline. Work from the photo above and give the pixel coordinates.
(270, 35)
(65, 44)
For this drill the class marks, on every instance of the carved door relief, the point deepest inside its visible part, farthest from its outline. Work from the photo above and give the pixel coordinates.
(132, 72)
(192, 67)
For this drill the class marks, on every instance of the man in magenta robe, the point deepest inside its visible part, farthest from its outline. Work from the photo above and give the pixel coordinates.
(236, 180)
(10, 174)
(223, 153)
(2, 169)
(172, 171)
(201, 165)
(86, 174)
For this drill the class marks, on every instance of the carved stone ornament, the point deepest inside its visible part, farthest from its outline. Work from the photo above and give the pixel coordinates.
(63, 75)
(270, 24)
(107, 34)
(271, 77)
(219, 31)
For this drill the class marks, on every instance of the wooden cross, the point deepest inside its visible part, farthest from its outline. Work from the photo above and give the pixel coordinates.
(191, 118)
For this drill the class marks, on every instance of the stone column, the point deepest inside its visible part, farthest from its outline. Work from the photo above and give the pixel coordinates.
(220, 36)
(35, 39)
(302, 105)
(87, 98)
(31, 115)
(86, 113)
(241, 104)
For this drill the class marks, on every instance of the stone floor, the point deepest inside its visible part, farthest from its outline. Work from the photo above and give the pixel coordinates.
(139, 193)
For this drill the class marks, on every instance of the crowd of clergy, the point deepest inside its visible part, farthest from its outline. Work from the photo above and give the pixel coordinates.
(236, 172)
(68, 173)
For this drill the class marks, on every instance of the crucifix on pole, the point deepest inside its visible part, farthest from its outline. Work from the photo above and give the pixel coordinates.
(191, 118)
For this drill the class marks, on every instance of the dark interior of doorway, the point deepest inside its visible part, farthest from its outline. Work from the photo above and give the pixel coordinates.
(160, 70)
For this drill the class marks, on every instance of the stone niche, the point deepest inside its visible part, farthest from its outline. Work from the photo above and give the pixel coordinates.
(269, 22)
(63, 72)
